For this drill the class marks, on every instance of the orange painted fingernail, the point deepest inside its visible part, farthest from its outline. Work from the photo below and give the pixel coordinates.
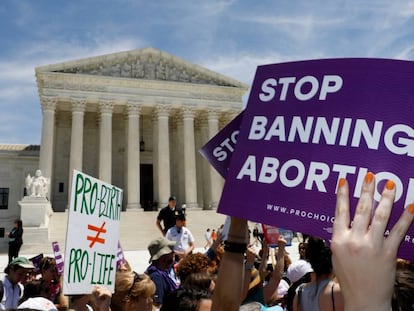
(411, 208)
(390, 185)
(369, 177)
(342, 182)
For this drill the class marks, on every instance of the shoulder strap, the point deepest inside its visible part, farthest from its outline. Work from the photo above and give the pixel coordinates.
(332, 297)
(300, 290)
(1, 290)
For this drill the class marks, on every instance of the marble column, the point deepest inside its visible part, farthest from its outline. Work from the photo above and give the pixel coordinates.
(190, 178)
(48, 132)
(133, 158)
(163, 153)
(105, 140)
(216, 181)
(76, 139)
(206, 166)
(154, 120)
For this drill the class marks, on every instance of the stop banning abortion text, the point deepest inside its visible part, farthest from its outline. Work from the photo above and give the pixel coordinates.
(341, 132)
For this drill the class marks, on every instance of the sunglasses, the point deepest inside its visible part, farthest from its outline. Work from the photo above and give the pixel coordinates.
(137, 278)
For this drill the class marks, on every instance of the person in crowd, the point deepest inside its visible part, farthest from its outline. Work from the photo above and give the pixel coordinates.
(35, 288)
(182, 236)
(15, 239)
(202, 281)
(302, 246)
(363, 259)
(215, 254)
(13, 289)
(37, 304)
(98, 300)
(161, 261)
(133, 292)
(167, 215)
(323, 292)
(299, 272)
(255, 289)
(193, 263)
(53, 280)
(213, 235)
(188, 299)
(207, 237)
(403, 296)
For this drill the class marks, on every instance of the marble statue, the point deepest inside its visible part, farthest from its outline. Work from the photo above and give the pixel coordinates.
(37, 186)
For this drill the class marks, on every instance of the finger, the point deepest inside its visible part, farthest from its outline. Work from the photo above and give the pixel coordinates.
(341, 221)
(363, 210)
(382, 214)
(399, 230)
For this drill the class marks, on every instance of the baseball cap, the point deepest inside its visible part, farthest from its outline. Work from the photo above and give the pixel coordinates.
(172, 198)
(21, 262)
(160, 247)
(298, 269)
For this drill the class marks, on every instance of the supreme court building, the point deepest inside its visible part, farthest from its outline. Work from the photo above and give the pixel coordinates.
(134, 119)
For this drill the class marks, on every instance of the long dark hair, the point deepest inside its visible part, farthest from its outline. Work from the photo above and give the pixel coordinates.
(19, 223)
(319, 256)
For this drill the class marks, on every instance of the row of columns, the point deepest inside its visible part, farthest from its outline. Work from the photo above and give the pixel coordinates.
(161, 153)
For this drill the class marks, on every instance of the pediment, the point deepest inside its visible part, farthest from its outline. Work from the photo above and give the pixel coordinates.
(147, 63)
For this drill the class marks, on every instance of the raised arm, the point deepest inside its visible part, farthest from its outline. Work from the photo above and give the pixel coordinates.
(363, 259)
(228, 291)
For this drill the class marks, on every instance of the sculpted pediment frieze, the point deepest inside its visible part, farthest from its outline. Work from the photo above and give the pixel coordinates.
(150, 64)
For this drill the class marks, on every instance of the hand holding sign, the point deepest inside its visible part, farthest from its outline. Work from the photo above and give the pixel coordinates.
(364, 261)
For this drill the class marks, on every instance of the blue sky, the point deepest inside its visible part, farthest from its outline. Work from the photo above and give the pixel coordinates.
(231, 37)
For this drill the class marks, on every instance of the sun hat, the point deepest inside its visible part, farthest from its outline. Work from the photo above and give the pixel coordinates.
(38, 303)
(160, 247)
(298, 269)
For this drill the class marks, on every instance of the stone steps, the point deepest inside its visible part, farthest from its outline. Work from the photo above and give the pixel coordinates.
(137, 229)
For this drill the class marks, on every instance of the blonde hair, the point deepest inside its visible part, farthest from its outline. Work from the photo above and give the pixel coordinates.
(130, 285)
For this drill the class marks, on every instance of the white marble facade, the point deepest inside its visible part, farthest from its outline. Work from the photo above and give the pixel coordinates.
(97, 111)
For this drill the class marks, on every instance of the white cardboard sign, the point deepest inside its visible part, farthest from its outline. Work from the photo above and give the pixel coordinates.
(92, 235)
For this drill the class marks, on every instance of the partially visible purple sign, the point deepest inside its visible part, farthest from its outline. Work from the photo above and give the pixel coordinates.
(308, 124)
(218, 150)
(58, 257)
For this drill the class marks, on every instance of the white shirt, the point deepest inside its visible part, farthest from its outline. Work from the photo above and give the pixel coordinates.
(182, 236)
(11, 296)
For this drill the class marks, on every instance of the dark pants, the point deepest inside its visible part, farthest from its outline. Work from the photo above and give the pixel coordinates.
(14, 251)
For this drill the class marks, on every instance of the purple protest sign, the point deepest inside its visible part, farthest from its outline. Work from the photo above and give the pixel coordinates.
(219, 149)
(58, 257)
(308, 124)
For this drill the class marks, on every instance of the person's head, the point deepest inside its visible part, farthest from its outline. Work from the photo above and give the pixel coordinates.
(297, 270)
(202, 280)
(172, 202)
(302, 249)
(319, 256)
(185, 299)
(133, 291)
(18, 269)
(38, 173)
(48, 269)
(161, 252)
(36, 288)
(192, 263)
(180, 220)
(18, 223)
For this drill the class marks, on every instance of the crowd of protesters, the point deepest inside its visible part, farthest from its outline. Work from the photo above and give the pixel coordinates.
(358, 270)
